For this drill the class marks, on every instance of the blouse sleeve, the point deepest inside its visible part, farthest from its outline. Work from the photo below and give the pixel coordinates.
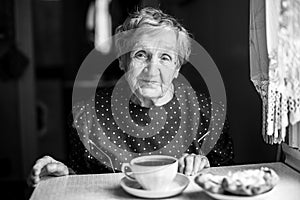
(222, 153)
(80, 159)
(219, 153)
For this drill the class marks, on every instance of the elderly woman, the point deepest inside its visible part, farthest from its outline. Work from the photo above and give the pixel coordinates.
(148, 113)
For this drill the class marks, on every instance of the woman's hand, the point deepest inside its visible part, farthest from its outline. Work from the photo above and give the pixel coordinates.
(46, 166)
(191, 164)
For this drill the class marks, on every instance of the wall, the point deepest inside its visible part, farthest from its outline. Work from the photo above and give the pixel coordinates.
(10, 157)
(221, 27)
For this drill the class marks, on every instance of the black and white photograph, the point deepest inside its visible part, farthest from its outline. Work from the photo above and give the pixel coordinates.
(150, 99)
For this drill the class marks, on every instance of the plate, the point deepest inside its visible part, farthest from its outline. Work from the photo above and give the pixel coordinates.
(235, 197)
(243, 184)
(176, 187)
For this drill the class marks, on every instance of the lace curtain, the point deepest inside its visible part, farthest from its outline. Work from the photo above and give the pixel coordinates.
(274, 41)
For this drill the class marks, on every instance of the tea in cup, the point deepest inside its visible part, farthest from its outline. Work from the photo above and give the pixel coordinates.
(153, 172)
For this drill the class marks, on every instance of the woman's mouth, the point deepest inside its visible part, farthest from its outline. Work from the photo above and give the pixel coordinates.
(149, 82)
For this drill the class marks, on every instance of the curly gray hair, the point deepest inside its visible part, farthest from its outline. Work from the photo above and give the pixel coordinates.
(151, 17)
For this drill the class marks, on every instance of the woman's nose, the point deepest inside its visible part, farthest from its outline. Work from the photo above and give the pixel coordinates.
(152, 67)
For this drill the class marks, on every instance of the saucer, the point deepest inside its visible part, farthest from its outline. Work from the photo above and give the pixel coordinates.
(176, 187)
(235, 197)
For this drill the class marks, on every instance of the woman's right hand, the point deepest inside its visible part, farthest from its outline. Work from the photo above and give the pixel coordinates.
(46, 166)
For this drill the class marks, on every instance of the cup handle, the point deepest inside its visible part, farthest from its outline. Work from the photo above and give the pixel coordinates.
(123, 169)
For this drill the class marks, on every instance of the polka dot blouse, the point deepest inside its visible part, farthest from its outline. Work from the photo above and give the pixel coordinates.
(110, 129)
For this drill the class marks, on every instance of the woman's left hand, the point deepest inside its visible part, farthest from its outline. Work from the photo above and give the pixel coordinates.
(191, 164)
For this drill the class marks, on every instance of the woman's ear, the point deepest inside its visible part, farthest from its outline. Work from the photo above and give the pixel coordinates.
(121, 64)
(178, 66)
(176, 72)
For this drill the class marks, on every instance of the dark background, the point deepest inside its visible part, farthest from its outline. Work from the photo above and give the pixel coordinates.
(42, 44)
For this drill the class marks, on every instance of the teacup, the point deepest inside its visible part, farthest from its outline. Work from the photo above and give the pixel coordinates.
(153, 172)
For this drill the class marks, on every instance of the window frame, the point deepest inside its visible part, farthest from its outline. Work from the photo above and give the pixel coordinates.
(292, 156)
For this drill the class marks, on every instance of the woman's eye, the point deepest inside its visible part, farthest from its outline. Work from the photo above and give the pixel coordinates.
(141, 55)
(166, 57)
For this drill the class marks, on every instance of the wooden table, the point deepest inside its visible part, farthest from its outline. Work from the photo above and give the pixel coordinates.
(106, 186)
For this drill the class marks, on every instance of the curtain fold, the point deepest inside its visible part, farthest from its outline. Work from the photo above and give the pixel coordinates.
(274, 41)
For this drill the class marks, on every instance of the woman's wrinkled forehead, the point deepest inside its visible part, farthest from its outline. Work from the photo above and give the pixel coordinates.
(155, 38)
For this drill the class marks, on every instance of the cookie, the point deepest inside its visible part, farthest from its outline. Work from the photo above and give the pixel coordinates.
(244, 182)
(250, 182)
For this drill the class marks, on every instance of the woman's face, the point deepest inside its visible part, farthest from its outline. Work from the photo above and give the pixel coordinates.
(153, 63)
